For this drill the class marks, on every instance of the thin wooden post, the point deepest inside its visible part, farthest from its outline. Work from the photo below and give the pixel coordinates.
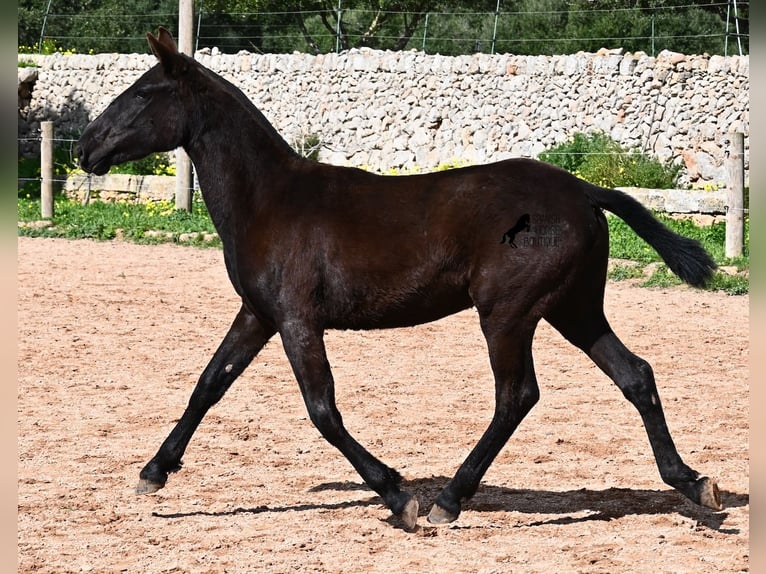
(183, 180)
(46, 170)
(183, 163)
(735, 208)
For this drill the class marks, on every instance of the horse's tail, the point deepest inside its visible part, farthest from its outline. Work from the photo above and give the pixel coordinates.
(685, 257)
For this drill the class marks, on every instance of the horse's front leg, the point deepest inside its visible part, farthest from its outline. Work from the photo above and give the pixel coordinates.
(246, 336)
(304, 346)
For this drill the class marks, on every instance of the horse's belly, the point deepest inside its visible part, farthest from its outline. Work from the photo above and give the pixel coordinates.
(394, 308)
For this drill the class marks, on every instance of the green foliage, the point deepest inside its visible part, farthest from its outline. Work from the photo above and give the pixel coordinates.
(451, 27)
(661, 278)
(153, 164)
(597, 158)
(151, 222)
(629, 25)
(625, 244)
(308, 146)
(730, 284)
(453, 163)
(29, 177)
(571, 154)
(93, 25)
(29, 172)
(622, 272)
(48, 47)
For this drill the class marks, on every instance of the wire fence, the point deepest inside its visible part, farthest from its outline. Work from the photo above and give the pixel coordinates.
(685, 28)
(63, 160)
(41, 185)
(64, 180)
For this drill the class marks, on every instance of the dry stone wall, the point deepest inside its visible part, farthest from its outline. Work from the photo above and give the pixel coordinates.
(405, 110)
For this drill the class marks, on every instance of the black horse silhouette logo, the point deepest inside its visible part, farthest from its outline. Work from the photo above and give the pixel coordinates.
(521, 225)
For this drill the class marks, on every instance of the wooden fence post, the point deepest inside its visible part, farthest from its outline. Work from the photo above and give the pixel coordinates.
(46, 170)
(735, 208)
(184, 179)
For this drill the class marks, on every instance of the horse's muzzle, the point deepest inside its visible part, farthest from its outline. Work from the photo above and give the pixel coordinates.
(86, 162)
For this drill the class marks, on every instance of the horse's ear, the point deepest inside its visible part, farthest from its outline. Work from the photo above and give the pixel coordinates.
(167, 39)
(164, 47)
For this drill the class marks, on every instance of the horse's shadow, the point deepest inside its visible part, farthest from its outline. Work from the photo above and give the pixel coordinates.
(564, 507)
(583, 505)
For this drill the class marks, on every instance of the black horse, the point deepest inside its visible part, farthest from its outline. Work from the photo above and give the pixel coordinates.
(310, 247)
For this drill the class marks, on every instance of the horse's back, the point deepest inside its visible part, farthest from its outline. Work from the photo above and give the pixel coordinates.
(386, 251)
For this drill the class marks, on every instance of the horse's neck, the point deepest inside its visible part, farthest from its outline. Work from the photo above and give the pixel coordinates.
(235, 151)
(230, 183)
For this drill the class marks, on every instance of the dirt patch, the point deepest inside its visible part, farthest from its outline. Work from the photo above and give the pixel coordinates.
(112, 337)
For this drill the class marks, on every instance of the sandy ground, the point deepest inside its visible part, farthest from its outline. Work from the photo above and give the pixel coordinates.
(112, 337)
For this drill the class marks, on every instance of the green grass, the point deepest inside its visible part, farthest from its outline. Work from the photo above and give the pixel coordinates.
(733, 285)
(621, 272)
(625, 244)
(662, 277)
(159, 222)
(139, 223)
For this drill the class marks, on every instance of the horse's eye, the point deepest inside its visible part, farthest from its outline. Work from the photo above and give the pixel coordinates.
(142, 94)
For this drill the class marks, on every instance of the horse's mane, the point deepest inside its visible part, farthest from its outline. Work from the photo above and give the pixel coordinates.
(247, 106)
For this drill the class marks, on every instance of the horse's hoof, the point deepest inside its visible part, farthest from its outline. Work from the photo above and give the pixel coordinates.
(439, 515)
(709, 494)
(410, 514)
(147, 486)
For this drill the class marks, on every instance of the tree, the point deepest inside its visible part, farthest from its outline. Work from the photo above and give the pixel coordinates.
(567, 26)
(94, 25)
(324, 25)
(448, 27)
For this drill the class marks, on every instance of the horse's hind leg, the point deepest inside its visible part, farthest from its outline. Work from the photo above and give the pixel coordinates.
(245, 338)
(635, 378)
(516, 392)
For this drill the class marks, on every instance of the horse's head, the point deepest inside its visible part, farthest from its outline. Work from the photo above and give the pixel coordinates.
(148, 117)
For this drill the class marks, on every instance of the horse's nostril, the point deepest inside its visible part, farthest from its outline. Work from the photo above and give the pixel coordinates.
(81, 157)
(79, 154)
